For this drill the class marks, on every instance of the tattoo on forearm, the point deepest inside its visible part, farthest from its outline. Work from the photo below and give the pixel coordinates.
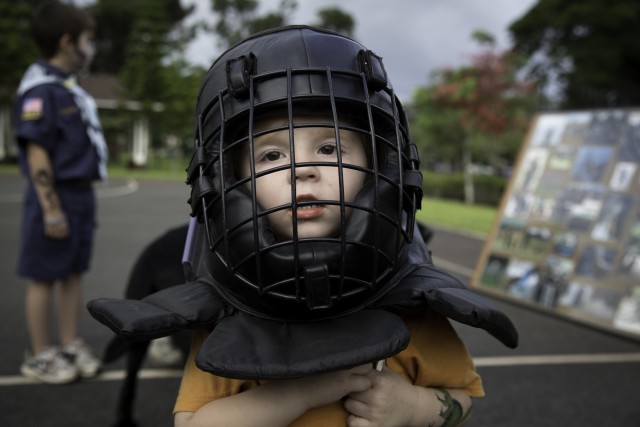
(43, 178)
(451, 410)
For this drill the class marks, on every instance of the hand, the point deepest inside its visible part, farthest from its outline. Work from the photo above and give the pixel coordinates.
(319, 390)
(56, 225)
(391, 401)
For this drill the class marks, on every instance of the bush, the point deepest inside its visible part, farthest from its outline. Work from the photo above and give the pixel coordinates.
(488, 188)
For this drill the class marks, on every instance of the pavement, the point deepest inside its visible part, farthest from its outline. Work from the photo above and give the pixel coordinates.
(562, 374)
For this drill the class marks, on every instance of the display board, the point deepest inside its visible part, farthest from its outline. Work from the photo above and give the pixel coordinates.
(567, 234)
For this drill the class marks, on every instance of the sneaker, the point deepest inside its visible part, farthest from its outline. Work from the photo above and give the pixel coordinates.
(49, 366)
(163, 353)
(82, 356)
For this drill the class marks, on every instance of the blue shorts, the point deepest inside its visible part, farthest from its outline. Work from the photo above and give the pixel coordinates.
(45, 259)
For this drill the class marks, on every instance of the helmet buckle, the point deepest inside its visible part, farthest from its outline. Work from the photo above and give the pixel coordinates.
(239, 72)
(316, 279)
(373, 68)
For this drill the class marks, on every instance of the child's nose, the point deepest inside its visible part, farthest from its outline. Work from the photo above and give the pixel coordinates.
(307, 173)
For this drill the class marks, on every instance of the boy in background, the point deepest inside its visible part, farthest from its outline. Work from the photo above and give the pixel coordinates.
(62, 150)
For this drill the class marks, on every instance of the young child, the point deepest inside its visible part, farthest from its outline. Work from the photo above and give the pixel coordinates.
(316, 303)
(61, 151)
(310, 158)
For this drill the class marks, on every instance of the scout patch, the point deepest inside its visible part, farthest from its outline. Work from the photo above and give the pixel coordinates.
(68, 110)
(32, 108)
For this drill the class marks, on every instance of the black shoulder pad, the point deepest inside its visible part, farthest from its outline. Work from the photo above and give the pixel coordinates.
(427, 286)
(187, 306)
(465, 306)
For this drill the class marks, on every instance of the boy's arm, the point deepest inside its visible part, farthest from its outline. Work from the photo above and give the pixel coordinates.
(55, 221)
(277, 403)
(392, 401)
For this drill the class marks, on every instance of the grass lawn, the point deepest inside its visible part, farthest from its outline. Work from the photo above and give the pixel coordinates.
(456, 215)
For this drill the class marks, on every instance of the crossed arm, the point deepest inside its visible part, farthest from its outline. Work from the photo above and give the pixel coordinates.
(372, 398)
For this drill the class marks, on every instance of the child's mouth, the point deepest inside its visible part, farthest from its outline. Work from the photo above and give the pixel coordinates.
(307, 211)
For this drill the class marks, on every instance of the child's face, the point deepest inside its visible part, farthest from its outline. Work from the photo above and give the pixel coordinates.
(86, 47)
(74, 56)
(312, 144)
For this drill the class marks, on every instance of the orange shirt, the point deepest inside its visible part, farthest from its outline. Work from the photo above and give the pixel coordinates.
(435, 357)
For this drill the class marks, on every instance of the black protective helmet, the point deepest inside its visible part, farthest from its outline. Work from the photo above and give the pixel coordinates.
(302, 70)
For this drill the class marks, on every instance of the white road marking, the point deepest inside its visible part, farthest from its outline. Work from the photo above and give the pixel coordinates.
(557, 359)
(116, 375)
(131, 186)
(480, 362)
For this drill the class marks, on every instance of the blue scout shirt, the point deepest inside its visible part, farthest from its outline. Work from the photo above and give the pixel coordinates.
(48, 116)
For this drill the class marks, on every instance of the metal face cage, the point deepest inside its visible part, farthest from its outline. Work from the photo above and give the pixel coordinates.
(311, 277)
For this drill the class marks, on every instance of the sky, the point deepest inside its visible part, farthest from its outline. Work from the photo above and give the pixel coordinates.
(414, 37)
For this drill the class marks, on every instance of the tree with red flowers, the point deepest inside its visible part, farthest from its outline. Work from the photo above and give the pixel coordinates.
(478, 111)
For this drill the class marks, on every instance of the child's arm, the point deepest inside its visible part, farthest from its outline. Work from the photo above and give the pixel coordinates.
(277, 403)
(55, 221)
(392, 401)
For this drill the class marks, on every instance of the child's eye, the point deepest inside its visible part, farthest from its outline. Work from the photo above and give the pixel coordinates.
(272, 156)
(328, 150)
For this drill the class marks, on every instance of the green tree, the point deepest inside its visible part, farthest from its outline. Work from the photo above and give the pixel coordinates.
(591, 49)
(237, 19)
(117, 19)
(143, 43)
(17, 50)
(335, 19)
(182, 83)
(436, 131)
(478, 111)
(146, 47)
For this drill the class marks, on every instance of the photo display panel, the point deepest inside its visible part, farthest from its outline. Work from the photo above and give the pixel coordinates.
(567, 235)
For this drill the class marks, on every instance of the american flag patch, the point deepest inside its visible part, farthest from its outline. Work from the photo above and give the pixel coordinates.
(32, 108)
